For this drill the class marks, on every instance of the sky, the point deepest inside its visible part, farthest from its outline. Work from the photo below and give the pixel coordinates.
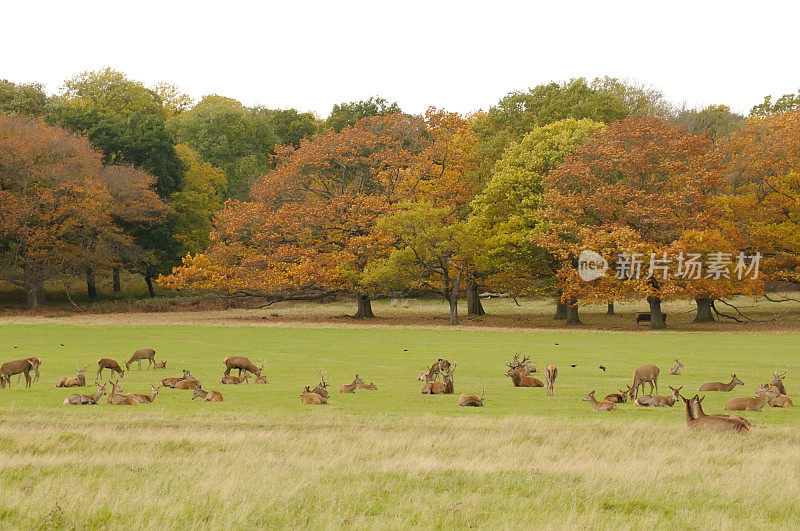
(461, 56)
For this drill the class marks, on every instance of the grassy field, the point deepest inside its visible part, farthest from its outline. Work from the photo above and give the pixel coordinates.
(391, 458)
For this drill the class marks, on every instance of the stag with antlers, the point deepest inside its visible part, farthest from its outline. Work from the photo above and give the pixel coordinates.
(517, 371)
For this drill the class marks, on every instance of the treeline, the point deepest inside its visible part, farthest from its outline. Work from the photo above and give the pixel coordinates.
(373, 201)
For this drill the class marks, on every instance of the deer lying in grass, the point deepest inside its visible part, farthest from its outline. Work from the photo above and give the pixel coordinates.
(516, 371)
(107, 363)
(351, 387)
(659, 401)
(261, 380)
(117, 398)
(642, 375)
(471, 400)
(170, 382)
(697, 410)
(9, 369)
(434, 371)
(530, 368)
(719, 386)
(79, 380)
(235, 380)
(187, 385)
(777, 380)
(369, 387)
(322, 387)
(159, 364)
(147, 399)
(675, 370)
(243, 364)
(779, 401)
(751, 404)
(142, 354)
(445, 387)
(307, 397)
(603, 405)
(618, 398)
(82, 400)
(207, 396)
(550, 373)
(696, 419)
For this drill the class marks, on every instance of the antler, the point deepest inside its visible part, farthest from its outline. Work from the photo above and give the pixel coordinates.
(322, 381)
(525, 359)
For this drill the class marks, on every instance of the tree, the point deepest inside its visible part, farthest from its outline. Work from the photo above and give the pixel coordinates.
(786, 103)
(716, 121)
(290, 126)
(22, 98)
(173, 101)
(347, 114)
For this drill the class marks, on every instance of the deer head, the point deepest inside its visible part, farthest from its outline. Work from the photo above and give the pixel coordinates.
(736, 380)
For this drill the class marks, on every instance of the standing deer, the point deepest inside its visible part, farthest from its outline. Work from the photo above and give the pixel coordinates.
(35, 363)
(116, 398)
(159, 364)
(675, 370)
(751, 404)
(516, 371)
(207, 396)
(696, 419)
(550, 373)
(142, 354)
(147, 399)
(9, 369)
(322, 387)
(243, 364)
(107, 363)
(603, 405)
(642, 375)
(82, 400)
(618, 398)
(79, 380)
(659, 401)
(719, 386)
(351, 387)
(307, 397)
(441, 388)
(235, 380)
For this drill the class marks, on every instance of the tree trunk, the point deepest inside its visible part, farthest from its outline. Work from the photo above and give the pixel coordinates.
(117, 285)
(656, 317)
(704, 314)
(561, 308)
(474, 306)
(453, 299)
(364, 308)
(150, 286)
(610, 309)
(91, 287)
(31, 298)
(40, 294)
(572, 313)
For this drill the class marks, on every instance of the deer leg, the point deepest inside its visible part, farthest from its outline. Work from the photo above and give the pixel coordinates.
(240, 373)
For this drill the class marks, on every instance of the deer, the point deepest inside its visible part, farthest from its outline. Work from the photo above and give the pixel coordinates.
(35, 363)
(207, 396)
(235, 380)
(777, 380)
(471, 400)
(116, 398)
(148, 399)
(107, 363)
(659, 401)
(697, 410)
(9, 369)
(751, 404)
(82, 400)
(603, 405)
(79, 380)
(719, 386)
(434, 371)
(550, 373)
(369, 387)
(779, 401)
(243, 364)
(142, 354)
(261, 380)
(515, 372)
(642, 375)
(696, 419)
(351, 387)
(187, 384)
(307, 397)
(529, 367)
(675, 370)
(441, 388)
(159, 365)
(170, 382)
(322, 387)
(618, 398)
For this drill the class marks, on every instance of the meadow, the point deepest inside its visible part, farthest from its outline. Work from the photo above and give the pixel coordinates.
(389, 458)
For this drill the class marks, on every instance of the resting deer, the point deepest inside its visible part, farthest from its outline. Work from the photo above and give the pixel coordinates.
(82, 400)
(445, 387)
(9, 369)
(550, 373)
(142, 354)
(779, 401)
(261, 380)
(470, 400)
(243, 364)
(529, 367)
(696, 419)
(777, 380)
(107, 363)
(79, 380)
(159, 364)
(235, 380)
(697, 410)
(351, 387)
(719, 386)
(675, 370)
(307, 397)
(604, 405)
(322, 387)
(170, 382)
(751, 404)
(659, 401)
(187, 384)
(642, 375)
(516, 371)
(207, 396)
(618, 398)
(369, 387)
(116, 398)
(147, 399)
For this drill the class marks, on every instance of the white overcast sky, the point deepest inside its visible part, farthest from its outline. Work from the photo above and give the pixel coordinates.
(461, 56)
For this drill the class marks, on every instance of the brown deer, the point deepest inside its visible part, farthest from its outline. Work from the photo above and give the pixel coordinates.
(471, 400)
(719, 386)
(9, 369)
(550, 373)
(675, 370)
(751, 404)
(779, 401)
(516, 371)
(696, 419)
(351, 387)
(159, 364)
(777, 380)
(35, 364)
(261, 380)
(187, 385)
(243, 364)
(82, 400)
(659, 401)
(322, 387)
(434, 371)
(307, 397)
(525, 363)
(142, 354)
(107, 363)
(642, 375)
(147, 399)
(235, 380)
(603, 405)
(207, 396)
(170, 382)
(445, 387)
(697, 410)
(117, 398)
(79, 380)
(369, 387)
(618, 398)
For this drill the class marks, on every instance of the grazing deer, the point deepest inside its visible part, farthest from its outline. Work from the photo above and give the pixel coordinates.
(147, 399)
(441, 388)
(659, 401)
(751, 404)
(107, 363)
(777, 380)
(307, 397)
(82, 400)
(351, 387)
(9, 369)
(187, 384)
(159, 364)
(369, 387)
(207, 396)
(696, 419)
(142, 354)
(322, 387)
(719, 386)
(235, 380)
(604, 405)
(116, 398)
(779, 401)
(618, 398)
(642, 375)
(79, 380)
(675, 370)
(550, 373)
(243, 364)
(516, 371)
(471, 400)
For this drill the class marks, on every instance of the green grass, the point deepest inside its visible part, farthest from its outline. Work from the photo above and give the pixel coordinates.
(392, 458)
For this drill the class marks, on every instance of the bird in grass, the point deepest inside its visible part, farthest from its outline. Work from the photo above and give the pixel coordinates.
(573, 365)
(602, 368)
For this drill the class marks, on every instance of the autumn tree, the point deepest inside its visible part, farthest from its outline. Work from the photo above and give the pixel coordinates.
(22, 98)
(784, 104)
